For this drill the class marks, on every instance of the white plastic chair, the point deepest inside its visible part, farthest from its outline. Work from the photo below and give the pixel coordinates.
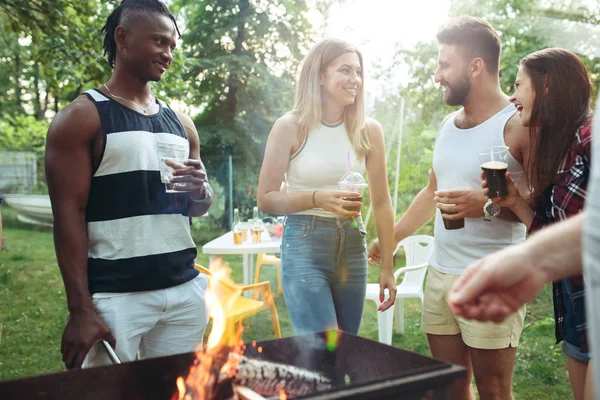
(417, 249)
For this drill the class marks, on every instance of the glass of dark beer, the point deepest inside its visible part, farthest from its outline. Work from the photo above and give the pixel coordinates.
(451, 224)
(494, 166)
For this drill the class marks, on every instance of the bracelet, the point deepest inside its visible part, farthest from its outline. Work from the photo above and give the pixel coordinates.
(313, 199)
(206, 196)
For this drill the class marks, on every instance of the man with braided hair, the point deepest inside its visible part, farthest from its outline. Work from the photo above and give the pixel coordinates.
(123, 244)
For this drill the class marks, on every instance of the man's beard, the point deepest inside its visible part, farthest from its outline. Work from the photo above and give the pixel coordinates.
(458, 91)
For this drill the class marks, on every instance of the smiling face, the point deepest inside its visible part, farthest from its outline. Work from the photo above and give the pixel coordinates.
(342, 79)
(452, 75)
(148, 42)
(524, 96)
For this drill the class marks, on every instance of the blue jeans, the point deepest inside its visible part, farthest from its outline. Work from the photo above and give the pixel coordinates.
(324, 272)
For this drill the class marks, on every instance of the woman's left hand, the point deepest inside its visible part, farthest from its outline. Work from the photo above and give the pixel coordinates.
(387, 281)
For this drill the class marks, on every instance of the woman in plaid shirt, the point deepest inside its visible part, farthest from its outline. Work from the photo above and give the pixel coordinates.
(553, 95)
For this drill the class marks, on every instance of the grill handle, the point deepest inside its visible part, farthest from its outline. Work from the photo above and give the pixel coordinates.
(111, 353)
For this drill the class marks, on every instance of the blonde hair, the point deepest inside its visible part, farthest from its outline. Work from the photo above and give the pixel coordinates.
(307, 107)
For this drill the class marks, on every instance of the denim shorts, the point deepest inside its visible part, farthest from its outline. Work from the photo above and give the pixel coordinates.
(571, 342)
(324, 272)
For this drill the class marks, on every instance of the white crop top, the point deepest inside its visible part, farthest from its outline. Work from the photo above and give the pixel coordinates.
(321, 162)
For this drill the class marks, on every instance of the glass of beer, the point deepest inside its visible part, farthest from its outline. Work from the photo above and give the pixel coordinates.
(451, 224)
(256, 234)
(237, 237)
(494, 166)
(244, 227)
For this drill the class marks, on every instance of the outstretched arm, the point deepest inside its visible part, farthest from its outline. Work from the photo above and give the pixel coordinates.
(382, 210)
(421, 209)
(499, 284)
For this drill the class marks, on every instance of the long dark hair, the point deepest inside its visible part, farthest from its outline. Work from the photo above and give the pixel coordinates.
(121, 12)
(563, 92)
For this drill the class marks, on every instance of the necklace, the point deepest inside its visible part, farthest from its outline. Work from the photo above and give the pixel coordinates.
(334, 123)
(144, 109)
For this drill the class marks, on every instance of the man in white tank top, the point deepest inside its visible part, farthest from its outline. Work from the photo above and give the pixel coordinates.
(468, 62)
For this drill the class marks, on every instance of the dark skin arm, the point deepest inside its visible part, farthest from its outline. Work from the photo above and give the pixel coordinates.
(195, 175)
(68, 171)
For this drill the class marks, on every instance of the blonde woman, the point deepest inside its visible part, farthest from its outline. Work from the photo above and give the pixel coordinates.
(323, 249)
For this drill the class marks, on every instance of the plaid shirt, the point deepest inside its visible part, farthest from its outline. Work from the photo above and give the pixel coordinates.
(563, 198)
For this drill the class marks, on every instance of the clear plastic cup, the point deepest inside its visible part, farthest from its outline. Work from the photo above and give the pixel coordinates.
(167, 166)
(353, 182)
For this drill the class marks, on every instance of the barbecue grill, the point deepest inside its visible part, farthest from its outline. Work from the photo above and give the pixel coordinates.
(359, 368)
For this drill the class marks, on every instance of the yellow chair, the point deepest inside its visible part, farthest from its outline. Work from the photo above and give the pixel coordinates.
(266, 259)
(244, 307)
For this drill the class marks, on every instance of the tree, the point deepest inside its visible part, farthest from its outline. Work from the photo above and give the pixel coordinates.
(241, 56)
(52, 52)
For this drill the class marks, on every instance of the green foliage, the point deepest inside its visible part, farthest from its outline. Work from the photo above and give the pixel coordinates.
(241, 56)
(52, 52)
(23, 132)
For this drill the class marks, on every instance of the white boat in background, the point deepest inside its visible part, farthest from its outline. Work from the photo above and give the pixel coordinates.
(31, 208)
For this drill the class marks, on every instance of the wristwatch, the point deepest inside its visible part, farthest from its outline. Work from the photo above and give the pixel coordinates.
(490, 210)
(206, 195)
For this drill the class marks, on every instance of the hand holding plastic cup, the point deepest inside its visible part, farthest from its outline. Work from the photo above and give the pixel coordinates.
(353, 182)
(167, 166)
(494, 166)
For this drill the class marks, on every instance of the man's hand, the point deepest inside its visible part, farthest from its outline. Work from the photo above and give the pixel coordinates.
(82, 331)
(467, 203)
(386, 281)
(191, 175)
(374, 255)
(496, 286)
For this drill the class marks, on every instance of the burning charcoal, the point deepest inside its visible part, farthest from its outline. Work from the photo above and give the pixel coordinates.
(268, 378)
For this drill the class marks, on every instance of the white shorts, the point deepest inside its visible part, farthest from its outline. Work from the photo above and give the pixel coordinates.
(153, 323)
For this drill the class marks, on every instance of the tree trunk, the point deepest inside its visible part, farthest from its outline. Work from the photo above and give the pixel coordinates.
(37, 104)
(18, 90)
(228, 114)
(233, 81)
(45, 105)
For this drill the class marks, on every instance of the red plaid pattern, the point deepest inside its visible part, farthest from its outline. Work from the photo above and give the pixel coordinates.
(565, 197)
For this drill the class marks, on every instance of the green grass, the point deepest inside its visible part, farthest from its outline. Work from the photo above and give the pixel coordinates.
(32, 312)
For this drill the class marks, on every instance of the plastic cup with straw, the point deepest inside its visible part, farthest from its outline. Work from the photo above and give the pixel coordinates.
(353, 182)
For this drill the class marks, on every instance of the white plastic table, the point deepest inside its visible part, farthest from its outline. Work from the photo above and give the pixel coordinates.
(223, 245)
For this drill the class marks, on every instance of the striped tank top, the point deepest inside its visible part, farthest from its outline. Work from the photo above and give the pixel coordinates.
(138, 235)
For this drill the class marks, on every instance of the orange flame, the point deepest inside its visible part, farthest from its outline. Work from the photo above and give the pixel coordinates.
(282, 395)
(221, 295)
(220, 298)
(181, 387)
